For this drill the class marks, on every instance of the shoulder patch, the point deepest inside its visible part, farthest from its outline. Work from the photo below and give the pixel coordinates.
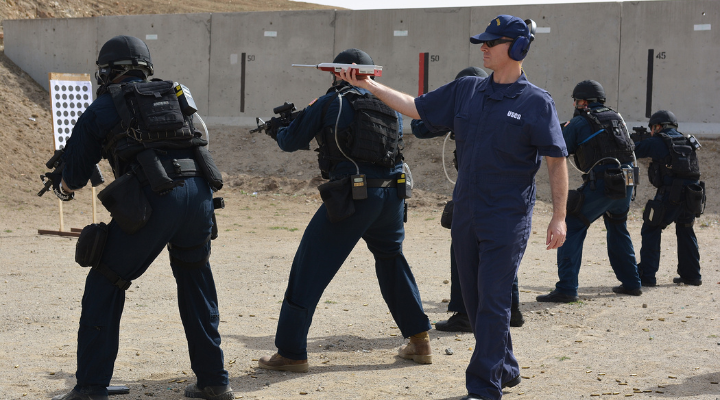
(312, 102)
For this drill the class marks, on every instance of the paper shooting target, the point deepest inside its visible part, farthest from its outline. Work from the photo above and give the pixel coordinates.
(71, 94)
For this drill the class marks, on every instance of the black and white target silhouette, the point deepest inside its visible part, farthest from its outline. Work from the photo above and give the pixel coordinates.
(71, 94)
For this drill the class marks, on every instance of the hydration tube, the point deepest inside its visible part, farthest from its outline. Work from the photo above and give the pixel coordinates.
(443, 158)
(207, 134)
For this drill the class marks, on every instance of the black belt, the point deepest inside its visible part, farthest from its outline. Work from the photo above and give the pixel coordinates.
(381, 183)
(182, 168)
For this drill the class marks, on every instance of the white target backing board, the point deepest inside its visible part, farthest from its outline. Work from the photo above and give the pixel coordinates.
(70, 94)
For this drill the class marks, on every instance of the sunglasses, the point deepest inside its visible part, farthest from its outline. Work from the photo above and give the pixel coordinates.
(493, 43)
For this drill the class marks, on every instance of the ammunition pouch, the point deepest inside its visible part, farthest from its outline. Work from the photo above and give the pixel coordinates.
(615, 183)
(209, 170)
(126, 202)
(447, 215)
(695, 198)
(655, 174)
(654, 213)
(89, 250)
(676, 192)
(90, 245)
(575, 202)
(337, 197)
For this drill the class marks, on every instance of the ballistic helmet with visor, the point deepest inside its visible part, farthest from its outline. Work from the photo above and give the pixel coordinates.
(471, 71)
(663, 117)
(589, 90)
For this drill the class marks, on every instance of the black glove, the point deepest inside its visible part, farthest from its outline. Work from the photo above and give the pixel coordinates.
(56, 179)
(273, 125)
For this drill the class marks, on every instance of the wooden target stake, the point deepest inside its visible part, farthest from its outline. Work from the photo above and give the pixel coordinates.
(70, 95)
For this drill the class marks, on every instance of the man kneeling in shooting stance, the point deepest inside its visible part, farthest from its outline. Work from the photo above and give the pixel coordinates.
(162, 195)
(364, 199)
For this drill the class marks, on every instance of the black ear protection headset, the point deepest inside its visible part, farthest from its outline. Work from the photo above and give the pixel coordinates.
(519, 47)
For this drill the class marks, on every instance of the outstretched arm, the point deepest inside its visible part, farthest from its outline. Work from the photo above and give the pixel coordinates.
(398, 101)
(557, 169)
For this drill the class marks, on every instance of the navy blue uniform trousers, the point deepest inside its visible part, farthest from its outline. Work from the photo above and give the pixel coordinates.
(456, 303)
(323, 249)
(619, 244)
(488, 256)
(687, 246)
(182, 217)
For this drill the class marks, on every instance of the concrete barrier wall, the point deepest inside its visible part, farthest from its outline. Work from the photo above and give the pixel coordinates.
(267, 44)
(40, 46)
(684, 69)
(238, 65)
(179, 45)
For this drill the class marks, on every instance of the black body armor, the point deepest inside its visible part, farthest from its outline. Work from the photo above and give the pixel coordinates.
(372, 137)
(681, 163)
(609, 140)
(152, 122)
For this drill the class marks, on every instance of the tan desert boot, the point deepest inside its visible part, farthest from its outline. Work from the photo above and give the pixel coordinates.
(279, 363)
(418, 349)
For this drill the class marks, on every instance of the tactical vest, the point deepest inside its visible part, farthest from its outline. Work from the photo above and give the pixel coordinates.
(609, 140)
(372, 137)
(150, 120)
(681, 163)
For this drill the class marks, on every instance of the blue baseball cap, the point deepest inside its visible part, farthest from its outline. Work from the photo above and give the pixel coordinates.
(502, 25)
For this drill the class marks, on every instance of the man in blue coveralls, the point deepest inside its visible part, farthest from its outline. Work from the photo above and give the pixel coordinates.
(346, 216)
(503, 127)
(181, 218)
(680, 197)
(603, 150)
(459, 321)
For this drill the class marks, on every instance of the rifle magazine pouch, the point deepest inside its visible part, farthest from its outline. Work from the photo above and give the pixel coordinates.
(694, 194)
(447, 215)
(615, 184)
(90, 245)
(126, 202)
(575, 202)
(654, 213)
(209, 169)
(337, 196)
(154, 171)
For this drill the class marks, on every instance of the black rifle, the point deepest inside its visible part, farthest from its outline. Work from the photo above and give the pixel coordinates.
(57, 165)
(639, 134)
(287, 113)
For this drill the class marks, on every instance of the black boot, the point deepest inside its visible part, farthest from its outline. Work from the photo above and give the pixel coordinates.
(459, 322)
(516, 317)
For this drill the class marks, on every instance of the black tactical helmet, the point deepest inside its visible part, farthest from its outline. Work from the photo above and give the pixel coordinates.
(356, 56)
(589, 90)
(664, 118)
(124, 53)
(471, 71)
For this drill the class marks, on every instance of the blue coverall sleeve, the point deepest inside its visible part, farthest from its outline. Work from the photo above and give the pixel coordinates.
(420, 130)
(548, 136)
(437, 108)
(84, 148)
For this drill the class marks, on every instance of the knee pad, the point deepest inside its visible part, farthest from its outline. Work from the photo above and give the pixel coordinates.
(611, 218)
(190, 257)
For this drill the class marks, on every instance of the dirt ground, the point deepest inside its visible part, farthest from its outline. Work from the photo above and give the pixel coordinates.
(663, 344)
